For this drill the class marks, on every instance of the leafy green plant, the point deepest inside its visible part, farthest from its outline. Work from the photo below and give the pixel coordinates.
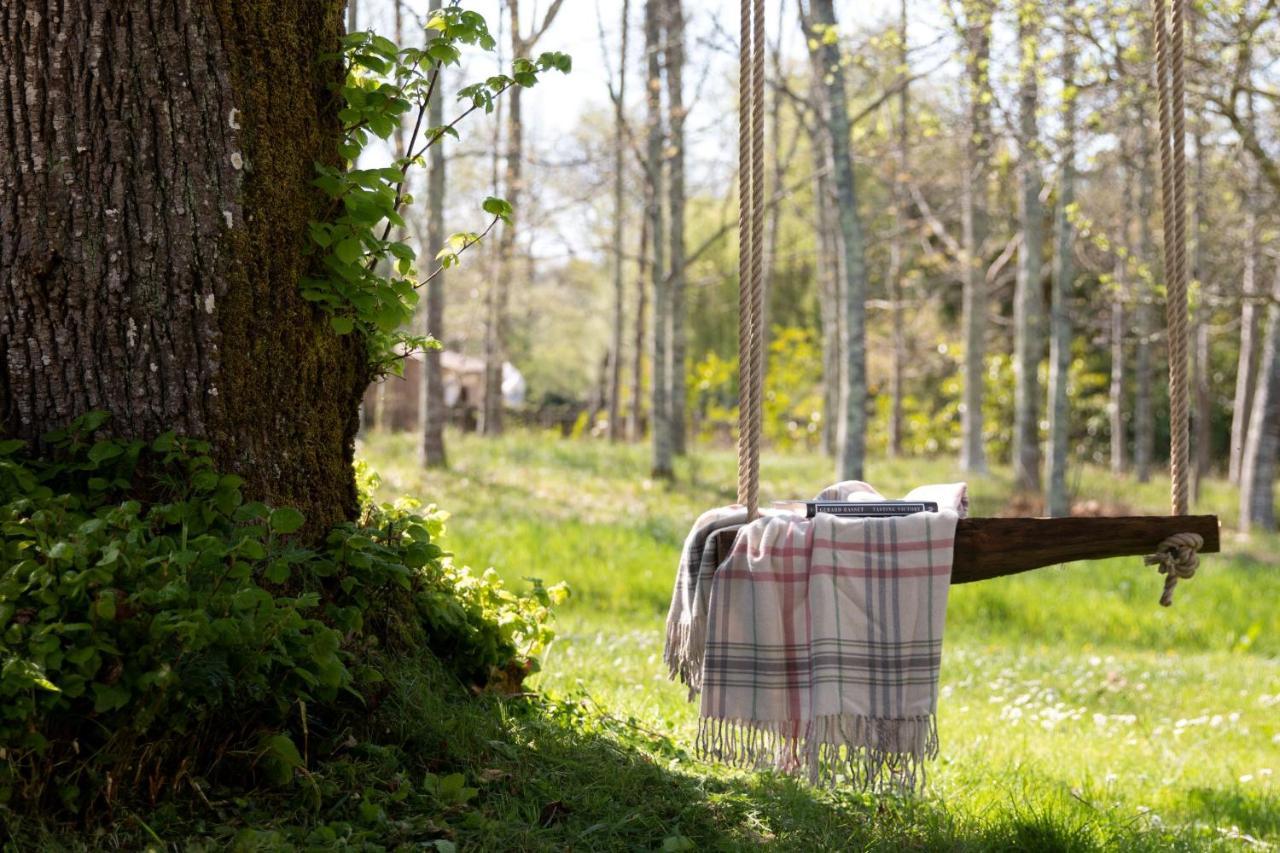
(364, 278)
(154, 625)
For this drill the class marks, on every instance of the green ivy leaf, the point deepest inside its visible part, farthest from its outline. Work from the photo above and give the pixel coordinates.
(285, 519)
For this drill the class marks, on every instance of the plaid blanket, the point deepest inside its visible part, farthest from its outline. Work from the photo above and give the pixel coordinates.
(816, 644)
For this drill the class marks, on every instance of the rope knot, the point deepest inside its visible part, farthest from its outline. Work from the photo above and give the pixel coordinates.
(1177, 558)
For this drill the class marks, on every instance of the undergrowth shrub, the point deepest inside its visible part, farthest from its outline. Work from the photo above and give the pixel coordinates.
(157, 629)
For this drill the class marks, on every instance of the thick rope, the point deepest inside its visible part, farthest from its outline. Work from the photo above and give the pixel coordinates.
(1176, 555)
(750, 250)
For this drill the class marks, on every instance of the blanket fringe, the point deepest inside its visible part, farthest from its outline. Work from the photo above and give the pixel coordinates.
(885, 756)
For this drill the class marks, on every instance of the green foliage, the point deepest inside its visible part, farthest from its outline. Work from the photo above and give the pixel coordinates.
(792, 411)
(364, 278)
(155, 625)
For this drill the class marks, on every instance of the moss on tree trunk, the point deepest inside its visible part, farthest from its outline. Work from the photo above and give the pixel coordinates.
(153, 223)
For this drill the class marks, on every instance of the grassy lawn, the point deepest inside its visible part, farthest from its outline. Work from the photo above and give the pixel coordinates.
(1075, 714)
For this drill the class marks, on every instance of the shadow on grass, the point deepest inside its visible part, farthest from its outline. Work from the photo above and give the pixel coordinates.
(1252, 812)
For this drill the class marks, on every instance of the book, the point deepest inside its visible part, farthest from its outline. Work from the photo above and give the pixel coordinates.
(857, 509)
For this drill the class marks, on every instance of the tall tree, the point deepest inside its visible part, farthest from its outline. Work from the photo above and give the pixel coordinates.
(901, 216)
(660, 414)
(1057, 502)
(1120, 289)
(1262, 441)
(975, 187)
(674, 53)
(618, 95)
(431, 409)
(819, 24)
(1144, 424)
(635, 415)
(1247, 359)
(1028, 300)
(497, 321)
(154, 201)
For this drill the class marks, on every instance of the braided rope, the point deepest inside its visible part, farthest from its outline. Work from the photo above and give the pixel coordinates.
(746, 374)
(750, 250)
(1177, 556)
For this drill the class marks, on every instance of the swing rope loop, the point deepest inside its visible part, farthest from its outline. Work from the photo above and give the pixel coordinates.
(750, 251)
(1176, 555)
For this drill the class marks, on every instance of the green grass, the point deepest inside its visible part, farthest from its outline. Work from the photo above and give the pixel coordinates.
(1076, 713)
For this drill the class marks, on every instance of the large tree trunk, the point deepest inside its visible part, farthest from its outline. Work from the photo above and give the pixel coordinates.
(659, 386)
(978, 14)
(619, 229)
(674, 54)
(851, 432)
(154, 201)
(1258, 467)
(897, 265)
(1057, 502)
(432, 414)
(1029, 301)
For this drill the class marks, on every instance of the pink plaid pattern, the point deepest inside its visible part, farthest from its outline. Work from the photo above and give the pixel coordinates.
(824, 642)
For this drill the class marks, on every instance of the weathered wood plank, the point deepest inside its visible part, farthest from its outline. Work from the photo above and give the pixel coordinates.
(994, 547)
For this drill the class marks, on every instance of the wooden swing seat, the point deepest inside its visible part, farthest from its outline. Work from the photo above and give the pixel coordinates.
(989, 548)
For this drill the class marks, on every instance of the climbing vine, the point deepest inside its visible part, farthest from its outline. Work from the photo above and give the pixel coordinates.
(365, 278)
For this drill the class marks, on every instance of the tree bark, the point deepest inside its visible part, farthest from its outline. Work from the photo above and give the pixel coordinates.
(1247, 360)
(897, 266)
(635, 415)
(1115, 395)
(154, 201)
(619, 230)
(432, 414)
(1057, 501)
(660, 415)
(1028, 300)
(497, 329)
(829, 278)
(977, 177)
(825, 53)
(674, 54)
(1144, 426)
(1258, 467)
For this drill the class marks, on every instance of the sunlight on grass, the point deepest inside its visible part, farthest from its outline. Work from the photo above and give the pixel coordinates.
(1071, 702)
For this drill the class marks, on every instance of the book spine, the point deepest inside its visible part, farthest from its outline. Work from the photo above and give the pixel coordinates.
(871, 509)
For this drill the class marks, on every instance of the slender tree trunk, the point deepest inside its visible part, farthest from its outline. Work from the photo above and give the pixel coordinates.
(1144, 426)
(619, 230)
(1262, 441)
(1028, 301)
(674, 53)
(1057, 502)
(154, 201)
(897, 266)
(978, 14)
(352, 15)
(635, 415)
(660, 415)
(828, 272)
(1246, 362)
(1115, 397)
(1122, 289)
(497, 330)
(1202, 411)
(851, 433)
(432, 414)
